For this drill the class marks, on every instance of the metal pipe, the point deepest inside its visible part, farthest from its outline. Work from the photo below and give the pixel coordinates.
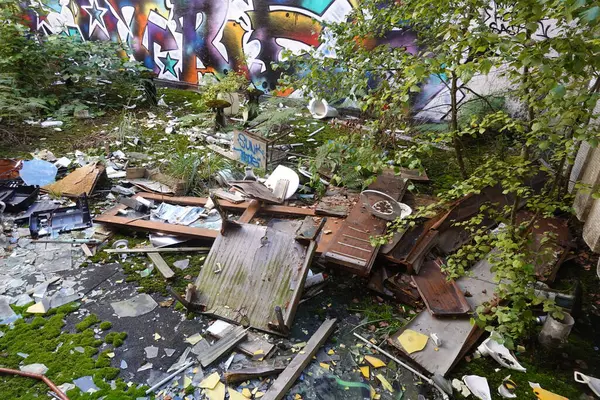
(168, 378)
(408, 367)
(43, 378)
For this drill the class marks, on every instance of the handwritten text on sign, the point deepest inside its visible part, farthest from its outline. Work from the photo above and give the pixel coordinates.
(249, 150)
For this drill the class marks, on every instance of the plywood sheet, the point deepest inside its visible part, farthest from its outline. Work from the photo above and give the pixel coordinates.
(81, 181)
(249, 271)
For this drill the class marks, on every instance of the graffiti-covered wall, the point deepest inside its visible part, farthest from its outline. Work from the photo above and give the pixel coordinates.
(188, 40)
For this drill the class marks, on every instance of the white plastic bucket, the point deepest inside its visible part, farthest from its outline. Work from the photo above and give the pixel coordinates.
(233, 99)
(320, 109)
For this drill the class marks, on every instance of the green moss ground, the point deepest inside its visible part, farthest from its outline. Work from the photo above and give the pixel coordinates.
(46, 341)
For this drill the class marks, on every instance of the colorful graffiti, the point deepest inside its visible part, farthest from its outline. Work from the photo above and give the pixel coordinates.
(188, 40)
(195, 41)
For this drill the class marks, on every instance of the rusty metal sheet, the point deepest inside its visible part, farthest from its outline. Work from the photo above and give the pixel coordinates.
(442, 297)
(250, 270)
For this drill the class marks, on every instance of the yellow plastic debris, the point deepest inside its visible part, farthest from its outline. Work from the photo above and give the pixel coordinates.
(374, 361)
(157, 336)
(255, 390)
(412, 341)
(235, 395)
(297, 396)
(210, 382)
(324, 366)
(246, 392)
(331, 352)
(186, 382)
(259, 352)
(543, 394)
(258, 395)
(365, 371)
(384, 382)
(218, 393)
(110, 355)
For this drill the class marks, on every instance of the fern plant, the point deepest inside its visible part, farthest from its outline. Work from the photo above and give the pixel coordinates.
(351, 161)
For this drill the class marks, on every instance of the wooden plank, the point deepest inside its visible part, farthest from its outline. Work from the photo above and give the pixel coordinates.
(288, 377)
(251, 373)
(222, 346)
(250, 212)
(442, 297)
(240, 207)
(157, 250)
(161, 265)
(110, 218)
(290, 312)
(332, 225)
(253, 345)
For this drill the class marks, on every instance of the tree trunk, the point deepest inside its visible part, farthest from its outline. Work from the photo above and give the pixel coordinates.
(454, 126)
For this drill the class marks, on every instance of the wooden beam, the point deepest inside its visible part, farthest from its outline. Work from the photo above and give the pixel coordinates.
(241, 207)
(158, 250)
(111, 218)
(161, 265)
(222, 346)
(286, 380)
(250, 212)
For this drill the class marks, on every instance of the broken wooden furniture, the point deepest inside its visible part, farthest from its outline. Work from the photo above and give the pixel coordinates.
(350, 246)
(456, 333)
(112, 217)
(254, 276)
(443, 298)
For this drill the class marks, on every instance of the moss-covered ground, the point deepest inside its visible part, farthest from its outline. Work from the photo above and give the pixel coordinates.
(67, 354)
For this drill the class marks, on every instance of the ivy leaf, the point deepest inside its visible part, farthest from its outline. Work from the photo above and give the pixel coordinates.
(559, 91)
(544, 144)
(591, 14)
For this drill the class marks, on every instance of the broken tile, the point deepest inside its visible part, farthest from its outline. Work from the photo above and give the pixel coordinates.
(144, 367)
(169, 352)
(182, 264)
(86, 384)
(218, 393)
(151, 352)
(135, 306)
(210, 382)
(40, 369)
(194, 339)
(7, 315)
(123, 364)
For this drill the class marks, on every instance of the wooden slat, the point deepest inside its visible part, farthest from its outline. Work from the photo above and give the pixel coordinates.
(222, 346)
(253, 345)
(286, 380)
(111, 218)
(161, 265)
(442, 297)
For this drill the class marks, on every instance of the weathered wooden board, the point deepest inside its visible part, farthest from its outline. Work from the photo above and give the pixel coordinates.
(442, 297)
(161, 265)
(250, 270)
(286, 380)
(222, 346)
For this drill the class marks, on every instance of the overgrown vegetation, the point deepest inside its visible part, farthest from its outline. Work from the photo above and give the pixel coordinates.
(552, 73)
(62, 75)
